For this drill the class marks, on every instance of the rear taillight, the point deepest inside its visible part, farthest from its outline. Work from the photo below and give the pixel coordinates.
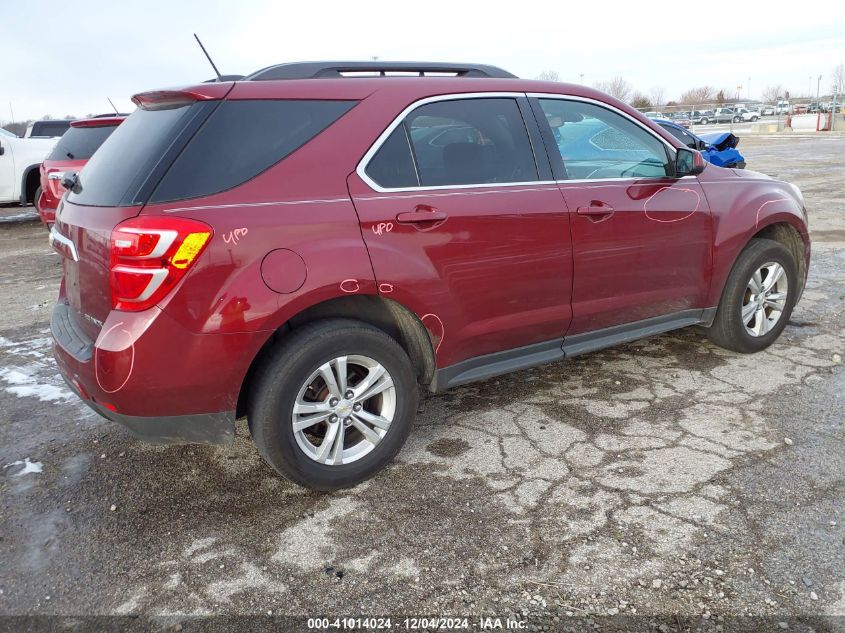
(149, 255)
(54, 182)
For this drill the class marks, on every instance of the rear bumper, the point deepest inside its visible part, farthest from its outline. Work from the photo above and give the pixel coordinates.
(201, 428)
(154, 377)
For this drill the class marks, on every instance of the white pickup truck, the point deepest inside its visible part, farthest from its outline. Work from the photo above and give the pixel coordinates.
(19, 162)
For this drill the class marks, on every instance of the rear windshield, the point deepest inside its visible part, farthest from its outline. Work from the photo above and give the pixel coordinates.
(80, 142)
(116, 174)
(49, 128)
(200, 149)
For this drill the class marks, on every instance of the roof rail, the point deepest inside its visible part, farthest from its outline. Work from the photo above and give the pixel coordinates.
(315, 70)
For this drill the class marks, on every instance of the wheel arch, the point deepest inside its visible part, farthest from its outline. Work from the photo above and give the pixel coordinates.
(385, 314)
(780, 228)
(788, 235)
(30, 176)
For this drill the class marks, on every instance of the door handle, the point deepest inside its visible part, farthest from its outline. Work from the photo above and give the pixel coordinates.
(421, 214)
(596, 210)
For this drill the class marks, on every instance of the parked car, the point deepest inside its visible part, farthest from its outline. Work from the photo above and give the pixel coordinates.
(747, 115)
(783, 107)
(302, 253)
(717, 148)
(19, 161)
(682, 119)
(70, 154)
(701, 117)
(768, 110)
(654, 115)
(51, 128)
(725, 115)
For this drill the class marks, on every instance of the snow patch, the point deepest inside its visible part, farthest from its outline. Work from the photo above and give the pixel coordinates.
(24, 385)
(28, 467)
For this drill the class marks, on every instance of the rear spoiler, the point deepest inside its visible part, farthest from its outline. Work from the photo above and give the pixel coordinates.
(178, 97)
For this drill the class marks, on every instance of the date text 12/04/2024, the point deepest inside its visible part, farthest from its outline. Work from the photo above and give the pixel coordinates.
(487, 623)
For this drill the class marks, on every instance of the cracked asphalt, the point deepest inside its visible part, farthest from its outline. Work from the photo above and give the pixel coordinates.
(668, 480)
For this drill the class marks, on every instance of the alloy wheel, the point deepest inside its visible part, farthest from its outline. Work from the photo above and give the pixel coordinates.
(344, 409)
(765, 299)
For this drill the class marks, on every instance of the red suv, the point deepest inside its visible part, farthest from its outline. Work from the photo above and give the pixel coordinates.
(70, 154)
(309, 246)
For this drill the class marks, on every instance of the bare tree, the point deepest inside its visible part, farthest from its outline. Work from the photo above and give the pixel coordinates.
(548, 75)
(702, 94)
(772, 94)
(640, 101)
(657, 93)
(616, 87)
(838, 84)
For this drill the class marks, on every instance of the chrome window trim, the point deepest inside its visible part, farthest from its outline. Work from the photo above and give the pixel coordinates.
(376, 146)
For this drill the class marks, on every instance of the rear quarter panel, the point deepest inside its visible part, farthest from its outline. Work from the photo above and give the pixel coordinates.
(743, 203)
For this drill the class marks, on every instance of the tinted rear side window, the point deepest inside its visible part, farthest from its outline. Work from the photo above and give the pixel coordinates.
(80, 142)
(240, 140)
(115, 174)
(392, 166)
(471, 142)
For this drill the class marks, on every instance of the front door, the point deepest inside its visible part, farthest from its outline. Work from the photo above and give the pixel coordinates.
(464, 229)
(641, 238)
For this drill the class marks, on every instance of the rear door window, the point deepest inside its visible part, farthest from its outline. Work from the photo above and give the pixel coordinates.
(241, 139)
(471, 142)
(80, 142)
(392, 166)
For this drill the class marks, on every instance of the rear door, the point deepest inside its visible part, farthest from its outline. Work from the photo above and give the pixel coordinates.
(642, 238)
(465, 227)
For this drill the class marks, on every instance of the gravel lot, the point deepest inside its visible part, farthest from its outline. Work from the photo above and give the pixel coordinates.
(667, 480)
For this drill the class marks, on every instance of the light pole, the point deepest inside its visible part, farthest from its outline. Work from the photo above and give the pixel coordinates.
(810, 86)
(581, 76)
(749, 88)
(818, 84)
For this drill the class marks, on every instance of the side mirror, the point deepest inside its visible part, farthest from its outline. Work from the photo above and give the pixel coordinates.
(688, 162)
(2, 149)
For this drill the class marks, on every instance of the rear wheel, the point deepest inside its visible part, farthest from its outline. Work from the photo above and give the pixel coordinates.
(758, 298)
(704, 121)
(333, 404)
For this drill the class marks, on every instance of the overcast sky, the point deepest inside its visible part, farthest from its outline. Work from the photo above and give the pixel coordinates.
(62, 58)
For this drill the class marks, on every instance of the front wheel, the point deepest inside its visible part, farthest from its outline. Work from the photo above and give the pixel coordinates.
(758, 298)
(333, 403)
(704, 121)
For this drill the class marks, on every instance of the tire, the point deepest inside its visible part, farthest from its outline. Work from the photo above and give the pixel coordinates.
(284, 378)
(728, 329)
(754, 119)
(36, 198)
(704, 121)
